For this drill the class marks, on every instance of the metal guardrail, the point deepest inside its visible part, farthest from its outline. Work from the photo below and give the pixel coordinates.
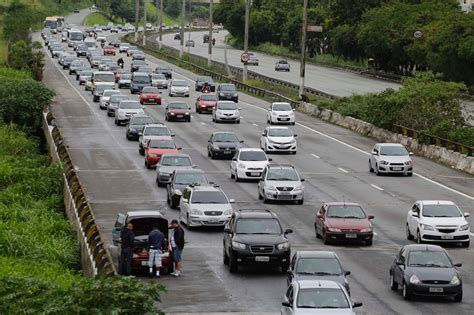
(100, 254)
(441, 142)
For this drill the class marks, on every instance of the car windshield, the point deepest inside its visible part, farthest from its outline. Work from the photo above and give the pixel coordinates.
(109, 93)
(140, 120)
(178, 106)
(104, 77)
(207, 97)
(150, 90)
(283, 62)
(205, 79)
(227, 87)
(282, 107)
(217, 197)
(286, 174)
(139, 63)
(158, 77)
(252, 156)
(346, 212)
(118, 98)
(156, 131)
(227, 106)
(101, 88)
(162, 68)
(441, 211)
(130, 105)
(125, 76)
(188, 179)
(141, 79)
(162, 144)
(279, 132)
(179, 83)
(436, 259)
(225, 137)
(318, 266)
(86, 73)
(393, 150)
(176, 161)
(322, 298)
(258, 226)
(109, 47)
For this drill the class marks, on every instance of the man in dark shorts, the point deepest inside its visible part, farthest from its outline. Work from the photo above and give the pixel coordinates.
(177, 245)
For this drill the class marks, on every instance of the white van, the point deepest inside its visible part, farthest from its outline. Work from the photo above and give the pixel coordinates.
(103, 77)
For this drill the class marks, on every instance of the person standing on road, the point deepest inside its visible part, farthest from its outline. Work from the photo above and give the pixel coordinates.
(127, 240)
(156, 240)
(177, 245)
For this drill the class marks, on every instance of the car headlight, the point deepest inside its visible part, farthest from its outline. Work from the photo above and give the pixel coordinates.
(187, 113)
(284, 245)
(238, 245)
(293, 140)
(383, 162)
(215, 147)
(221, 94)
(235, 94)
(369, 229)
(299, 187)
(292, 114)
(195, 212)
(426, 227)
(228, 212)
(133, 130)
(274, 114)
(414, 279)
(408, 163)
(271, 141)
(455, 280)
(270, 187)
(334, 229)
(172, 113)
(152, 155)
(464, 227)
(241, 165)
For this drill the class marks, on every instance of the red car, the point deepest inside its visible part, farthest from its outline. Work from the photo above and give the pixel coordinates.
(178, 111)
(343, 221)
(156, 147)
(205, 103)
(109, 50)
(119, 73)
(150, 95)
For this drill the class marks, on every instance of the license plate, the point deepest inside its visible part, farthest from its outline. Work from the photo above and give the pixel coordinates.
(397, 168)
(262, 258)
(351, 235)
(436, 290)
(254, 174)
(179, 116)
(227, 151)
(285, 119)
(144, 263)
(151, 100)
(447, 237)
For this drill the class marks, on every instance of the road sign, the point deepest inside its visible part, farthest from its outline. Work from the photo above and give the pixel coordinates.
(244, 57)
(314, 28)
(418, 34)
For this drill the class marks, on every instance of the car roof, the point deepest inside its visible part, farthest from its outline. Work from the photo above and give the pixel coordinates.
(256, 213)
(140, 74)
(311, 284)
(274, 165)
(160, 137)
(190, 171)
(316, 253)
(144, 213)
(278, 103)
(278, 127)
(223, 132)
(424, 247)
(156, 125)
(175, 155)
(250, 149)
(205, 188)
(436, 202)
(342, 203)
(390, 144)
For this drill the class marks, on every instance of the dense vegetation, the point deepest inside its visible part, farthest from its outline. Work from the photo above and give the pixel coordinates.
(379, 29)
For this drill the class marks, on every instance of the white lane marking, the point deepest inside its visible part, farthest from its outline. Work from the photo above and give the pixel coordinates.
(353, 147)
(376, 187)
(342, 170)
(255, 125)
(203, 123)
(316, 156)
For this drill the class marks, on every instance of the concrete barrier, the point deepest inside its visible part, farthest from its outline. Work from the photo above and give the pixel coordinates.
(442, 155)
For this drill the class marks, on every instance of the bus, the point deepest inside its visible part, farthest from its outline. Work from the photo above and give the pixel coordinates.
(74, 35)
(51, 22)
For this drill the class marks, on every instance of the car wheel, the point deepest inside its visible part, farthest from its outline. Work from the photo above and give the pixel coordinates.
(393, 283)
(458, 297)
(225, 257)
(141, 151)
(466, 244)
(405, 292)
(408, 233)
(293, 123)
(377, 170)
(259, 195)
(238, 121)
(147, 165)
(369, 242)
(237, 179)
(285, 267)
(126, 134)
(232, 175)
(188, 224)
(418, 237)
(116, 122)
(233, 267)
(300, 202)
(371, 169)
(265, 199)
(316, 232)
(410, 174)
(325, 238)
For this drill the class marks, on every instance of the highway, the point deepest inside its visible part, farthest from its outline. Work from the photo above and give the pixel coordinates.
(334, 162)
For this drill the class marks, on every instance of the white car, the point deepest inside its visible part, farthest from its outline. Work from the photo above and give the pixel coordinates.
(390, 158)
(105, 98)
(226, 111)
(127, 109)
(278, 139)
(205, 205)
(152, 130)
(178, 88)
(159, 80)
(281, 113)
(437, 221)
(248, 163)
(281, 183)
(325, 297)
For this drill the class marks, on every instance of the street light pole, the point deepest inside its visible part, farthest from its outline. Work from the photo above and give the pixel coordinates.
(246, 36)
(161, 22)
(137, 17)
(209, 47)
(183, 12)
(303, 48)
(189, 30)
(144, 22)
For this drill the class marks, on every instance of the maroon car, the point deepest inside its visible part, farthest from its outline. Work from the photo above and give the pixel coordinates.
(150, 95)
(205, 103)
(178, 111)
(343, 221)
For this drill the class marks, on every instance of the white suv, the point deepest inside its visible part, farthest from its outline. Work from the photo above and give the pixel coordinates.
(248, 163)
(281, 113)
(281, 182)
(204, 206)
(437, 221)
(278, 139)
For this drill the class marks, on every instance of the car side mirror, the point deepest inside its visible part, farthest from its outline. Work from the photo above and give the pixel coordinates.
(288, 231)
(184, 200)
(370, 217)
(231, 200)
(286, 303)
(240, 108)
(466, 214)
(416, 215)
(242, 141)
(375, 153)
(194, 166)
(209, 141)
(357, 304)
(143, 107)
(302, 180)
(179, 148)
(410, 153)
(399, 263)
(457, 265)
(172, 134)
(295, 136)
(263, 134)
(270, 159)
(227, 230)
(234, 159)
(269, 109)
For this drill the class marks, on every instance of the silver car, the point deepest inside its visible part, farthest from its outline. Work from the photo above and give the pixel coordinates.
(178, 88)
(281, 183)
(125, 80)
(390, 158)
(114, 102)
(159, 80)
(168, 164)
(282, 65)
(226, 111)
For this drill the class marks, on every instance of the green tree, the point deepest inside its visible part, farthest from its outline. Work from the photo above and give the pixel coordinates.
(172, 8)
(17, 22)
(125, 9)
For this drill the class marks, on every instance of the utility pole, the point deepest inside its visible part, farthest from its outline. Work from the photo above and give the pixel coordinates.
(144, 22)
(246, 36)
(209, 47)
(183, 13)
(189, 30)
(303, 48)
(137, 17)
(161, 22)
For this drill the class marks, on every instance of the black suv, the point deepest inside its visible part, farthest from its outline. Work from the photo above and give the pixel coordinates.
(255, 237)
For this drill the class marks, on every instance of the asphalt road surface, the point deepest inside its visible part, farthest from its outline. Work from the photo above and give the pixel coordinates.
(333, 161)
